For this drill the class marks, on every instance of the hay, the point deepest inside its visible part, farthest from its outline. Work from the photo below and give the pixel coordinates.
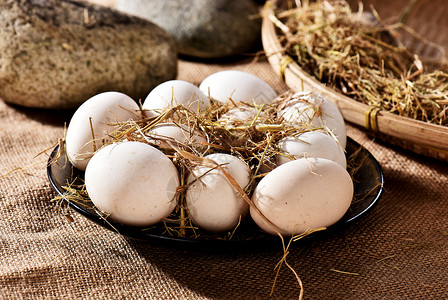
(357, 54)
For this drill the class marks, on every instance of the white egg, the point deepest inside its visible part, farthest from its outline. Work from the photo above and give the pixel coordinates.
(243, 114)
(172, 93)
(97, 114)
(308, 193)
(318, 111)
(132, 182)
(238, 86)
(239, 114)
(311, 144)
(163, 133)
(213, 203)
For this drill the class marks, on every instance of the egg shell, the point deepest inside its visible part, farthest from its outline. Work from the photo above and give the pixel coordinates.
(301, 112)
(97, 113)
(242, 115)
(213, 203)
(239, 114)
(308, 193)
(175, 134)
(318, 111)
(133, 182)
(172, 93)
(239, 86)
(311, 144)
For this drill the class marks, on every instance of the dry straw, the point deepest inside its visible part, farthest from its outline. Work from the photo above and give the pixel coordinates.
(254, 140)
(356, 54)
(357, 60)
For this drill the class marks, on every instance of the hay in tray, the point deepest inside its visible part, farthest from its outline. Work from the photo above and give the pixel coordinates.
(357, 54)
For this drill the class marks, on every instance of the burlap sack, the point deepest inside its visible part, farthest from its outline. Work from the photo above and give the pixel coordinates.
(398, 251)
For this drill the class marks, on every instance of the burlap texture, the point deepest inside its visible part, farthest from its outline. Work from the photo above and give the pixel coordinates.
(398, 251)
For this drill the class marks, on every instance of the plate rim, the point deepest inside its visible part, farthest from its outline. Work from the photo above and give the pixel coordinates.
(136, 233)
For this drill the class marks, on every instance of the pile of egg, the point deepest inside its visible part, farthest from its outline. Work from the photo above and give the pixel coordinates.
(137, 184)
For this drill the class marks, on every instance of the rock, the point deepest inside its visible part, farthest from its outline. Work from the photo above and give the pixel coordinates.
(57, 54)
(202, 28)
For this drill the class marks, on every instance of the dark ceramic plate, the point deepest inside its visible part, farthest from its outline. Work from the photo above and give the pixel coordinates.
(368, 183)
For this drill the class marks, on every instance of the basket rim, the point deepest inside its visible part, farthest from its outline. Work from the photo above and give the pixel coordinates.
(419, 133)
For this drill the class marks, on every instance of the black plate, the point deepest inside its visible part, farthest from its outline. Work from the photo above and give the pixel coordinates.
(368, 183)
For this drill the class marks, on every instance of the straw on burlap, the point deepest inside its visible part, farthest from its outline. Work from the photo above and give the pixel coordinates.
(399, 250)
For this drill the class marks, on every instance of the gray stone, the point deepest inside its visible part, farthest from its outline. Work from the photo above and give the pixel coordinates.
(57, 54)
(202, 28)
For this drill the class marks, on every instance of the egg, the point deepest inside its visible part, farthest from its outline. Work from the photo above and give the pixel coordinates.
(318, 111)
(97, 114)
(307, 193)
(172, 93)
(311, 144)
(163, 133)
(241, 115)
(133, 183)
(213, 203)
(239, 86)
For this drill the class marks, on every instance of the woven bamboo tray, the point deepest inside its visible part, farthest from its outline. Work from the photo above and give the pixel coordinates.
(420, 137)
